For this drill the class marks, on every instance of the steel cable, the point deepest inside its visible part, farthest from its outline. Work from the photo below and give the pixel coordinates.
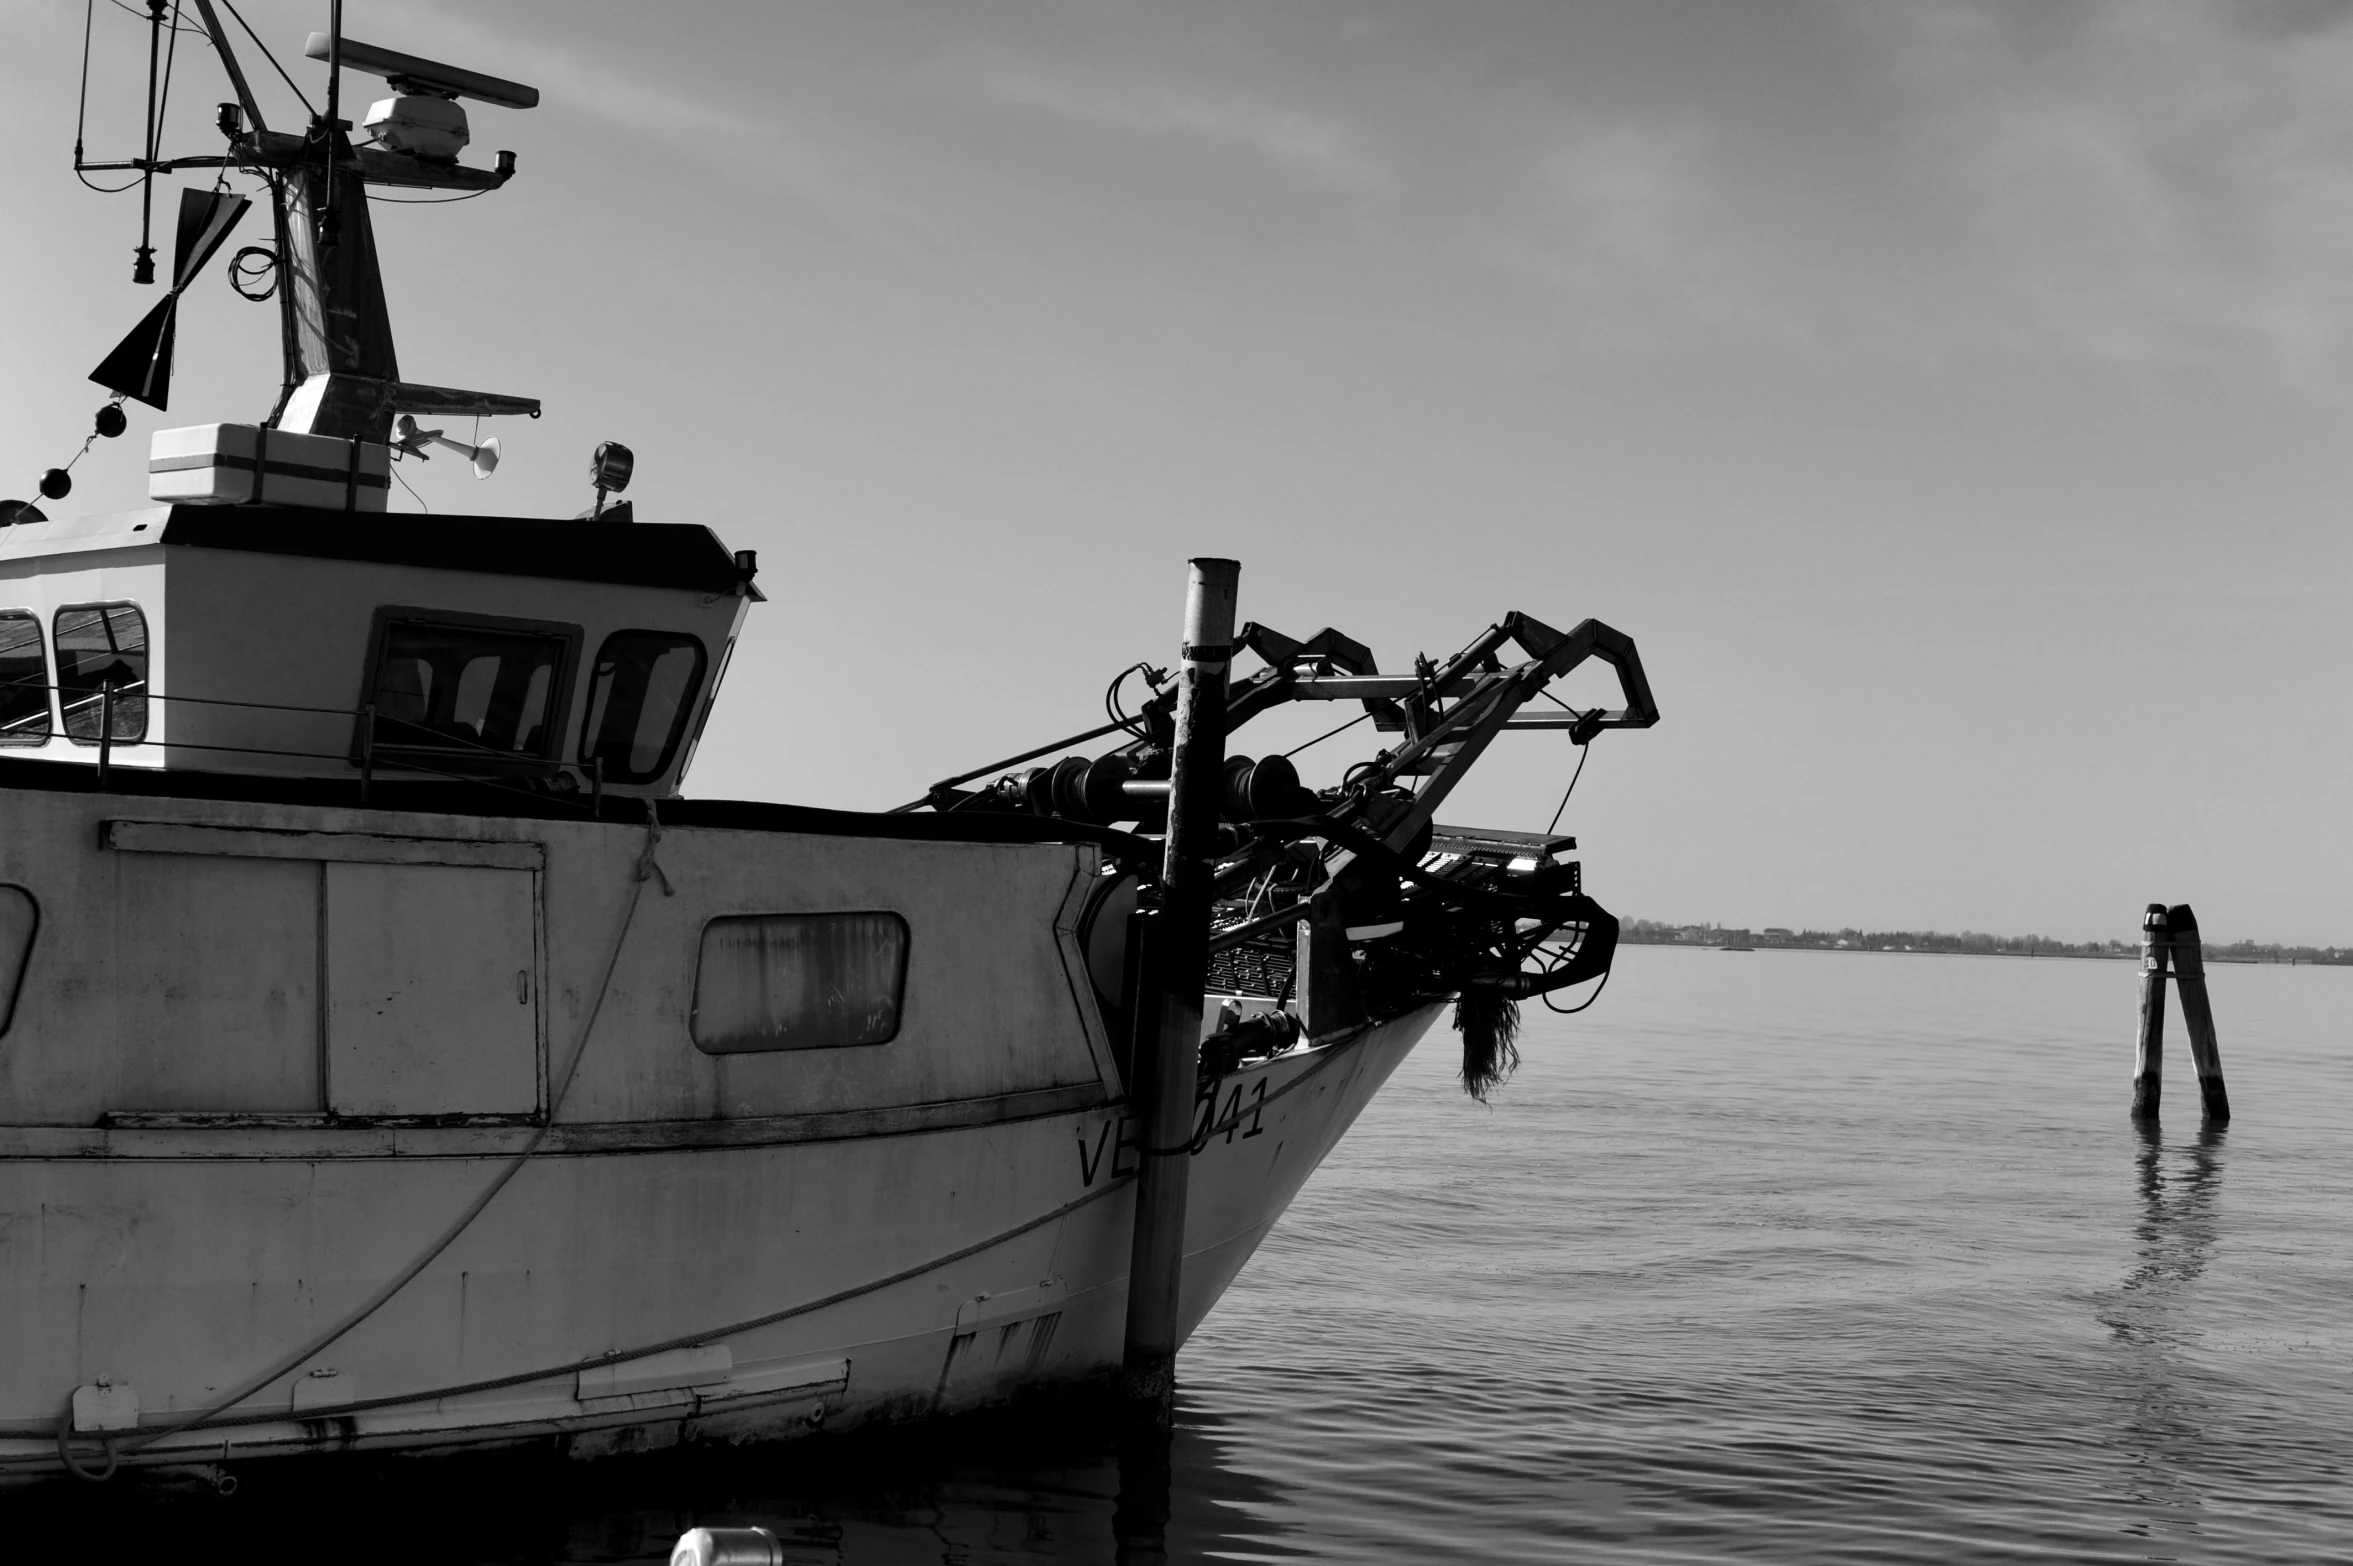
(841, 1296)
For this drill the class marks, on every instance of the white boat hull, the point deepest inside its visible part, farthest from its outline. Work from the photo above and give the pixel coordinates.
(179, 1255)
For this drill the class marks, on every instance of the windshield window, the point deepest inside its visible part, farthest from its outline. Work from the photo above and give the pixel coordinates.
(465, 688)
(639, 697)
(100, 645)
(24, 682)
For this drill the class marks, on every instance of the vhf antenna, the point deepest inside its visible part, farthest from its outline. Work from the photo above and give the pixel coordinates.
(143, 269)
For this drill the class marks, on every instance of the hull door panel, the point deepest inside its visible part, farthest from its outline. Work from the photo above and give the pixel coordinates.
(216, 1008)
(316, 974)
(432, 978)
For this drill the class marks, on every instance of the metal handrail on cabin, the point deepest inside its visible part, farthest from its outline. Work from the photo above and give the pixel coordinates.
(365, 715)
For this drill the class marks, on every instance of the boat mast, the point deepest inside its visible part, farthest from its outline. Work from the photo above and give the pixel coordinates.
(334, 114)
(342, 375)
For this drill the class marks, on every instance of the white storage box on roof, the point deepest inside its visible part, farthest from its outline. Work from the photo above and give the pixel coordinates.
(229, 464)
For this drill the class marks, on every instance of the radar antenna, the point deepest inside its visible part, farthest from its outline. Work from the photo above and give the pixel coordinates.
(342, 375)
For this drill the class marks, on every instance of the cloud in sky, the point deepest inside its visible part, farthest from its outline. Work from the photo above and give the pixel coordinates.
(763, 150)
(2152, 180)
(2123, 180)
(2148, 179)
(1633, 225)
(1318, 149)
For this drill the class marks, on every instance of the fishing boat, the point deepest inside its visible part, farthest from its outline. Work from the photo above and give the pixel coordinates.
(395, 1058)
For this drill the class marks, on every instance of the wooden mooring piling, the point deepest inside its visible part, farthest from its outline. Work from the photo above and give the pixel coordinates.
(1169, 1056)
(2170, 941)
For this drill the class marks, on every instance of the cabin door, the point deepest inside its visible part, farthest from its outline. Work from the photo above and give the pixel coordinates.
(432, 990)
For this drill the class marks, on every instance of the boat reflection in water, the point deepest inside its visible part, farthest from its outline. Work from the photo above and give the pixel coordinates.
(1049, 1482)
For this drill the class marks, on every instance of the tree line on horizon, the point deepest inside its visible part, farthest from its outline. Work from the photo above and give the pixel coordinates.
(1651, 932)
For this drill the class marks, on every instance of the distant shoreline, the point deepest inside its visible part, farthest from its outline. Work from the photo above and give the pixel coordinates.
(1646, 932)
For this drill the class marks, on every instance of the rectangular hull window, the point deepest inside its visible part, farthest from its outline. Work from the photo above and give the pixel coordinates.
(24, 682)
(799, 981)
(639, 697)
(477, 693)
(99, 645)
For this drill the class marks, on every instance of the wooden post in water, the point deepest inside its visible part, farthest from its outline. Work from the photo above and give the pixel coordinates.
(2148, 1060)
(1166, 1077)
(2189, 976)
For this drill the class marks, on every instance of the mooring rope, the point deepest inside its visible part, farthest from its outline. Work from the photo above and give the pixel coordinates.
(647, 868)
(65, 1452)
(1332, 1054)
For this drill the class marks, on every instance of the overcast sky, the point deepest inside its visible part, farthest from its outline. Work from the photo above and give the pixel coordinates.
(1950, 397)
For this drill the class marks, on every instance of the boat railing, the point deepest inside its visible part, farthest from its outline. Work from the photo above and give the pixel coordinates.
(371, 752)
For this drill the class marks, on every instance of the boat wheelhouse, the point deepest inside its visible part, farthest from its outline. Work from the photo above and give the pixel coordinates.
(301, 643)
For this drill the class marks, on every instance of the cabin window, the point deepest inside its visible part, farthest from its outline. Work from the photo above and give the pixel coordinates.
(470, 687)
(24, 681)
(102, 645)
(694, 738)
(798, 981)
(20, 921)
(640, 694)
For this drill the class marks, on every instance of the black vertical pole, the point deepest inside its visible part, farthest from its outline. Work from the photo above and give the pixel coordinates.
(143, 268)
(2197, 1016)
(1165, 1081)
(105, 732)
(2148, 1059)
(329, 213)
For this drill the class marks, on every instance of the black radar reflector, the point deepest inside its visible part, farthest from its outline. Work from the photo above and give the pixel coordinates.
(141, 364)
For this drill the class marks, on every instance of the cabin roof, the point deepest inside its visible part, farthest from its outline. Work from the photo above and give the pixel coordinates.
(683, 555)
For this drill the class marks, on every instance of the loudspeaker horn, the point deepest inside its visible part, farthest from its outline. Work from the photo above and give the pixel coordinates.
(414, 441)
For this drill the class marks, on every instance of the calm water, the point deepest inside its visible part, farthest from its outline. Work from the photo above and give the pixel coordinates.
(1769, 1256)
